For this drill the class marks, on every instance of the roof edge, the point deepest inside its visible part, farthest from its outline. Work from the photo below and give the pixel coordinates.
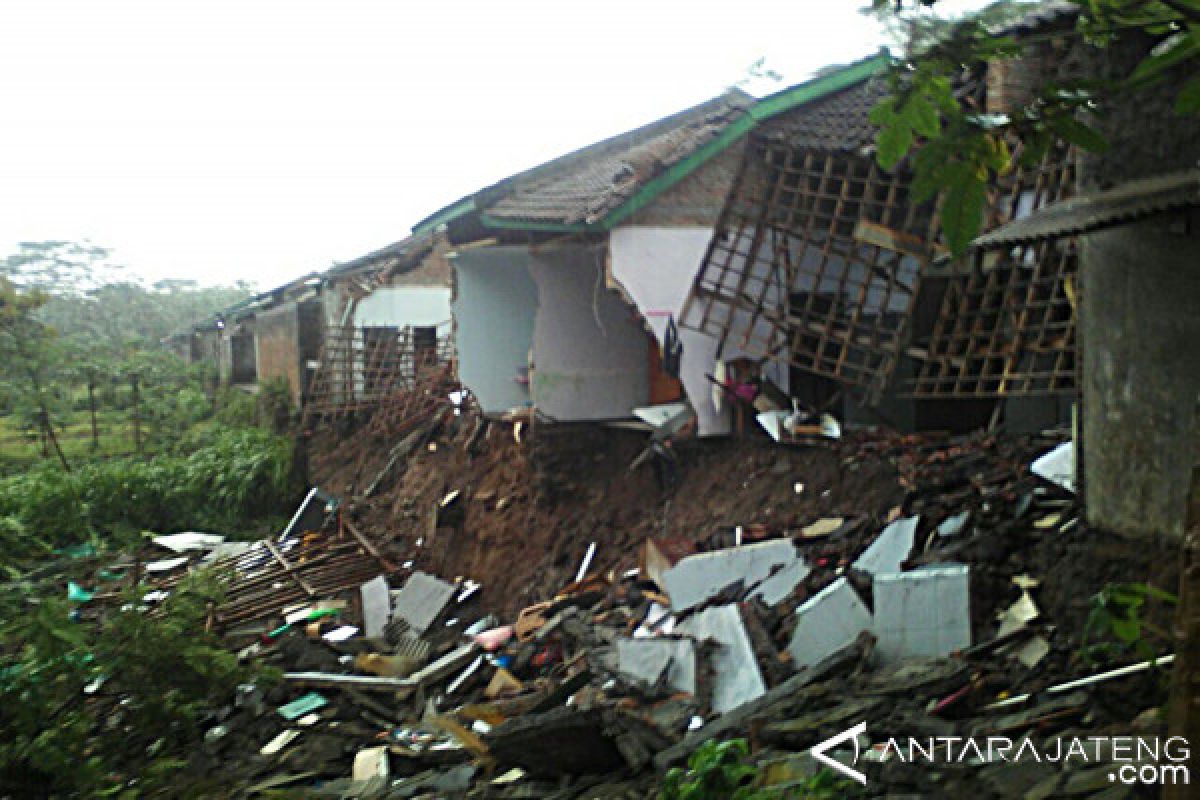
(764, 109)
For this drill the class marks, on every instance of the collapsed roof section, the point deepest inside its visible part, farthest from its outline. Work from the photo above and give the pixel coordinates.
(820, 260)
(816, 258)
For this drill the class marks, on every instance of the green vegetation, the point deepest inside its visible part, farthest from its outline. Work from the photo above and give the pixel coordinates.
(959, 151)
(1117, 625)
(104, 437)
(85, 707)
(723, 771)
(236, 480)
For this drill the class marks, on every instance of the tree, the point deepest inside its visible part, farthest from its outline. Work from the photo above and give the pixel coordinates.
(25, 354)
(958, 150)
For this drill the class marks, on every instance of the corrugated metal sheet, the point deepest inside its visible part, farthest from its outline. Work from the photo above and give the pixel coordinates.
(1092, 212)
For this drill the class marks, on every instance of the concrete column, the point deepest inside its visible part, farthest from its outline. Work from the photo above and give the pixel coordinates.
(1140, 327)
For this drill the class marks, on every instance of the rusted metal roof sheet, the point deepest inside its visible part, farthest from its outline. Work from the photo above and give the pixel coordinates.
(1128, 202)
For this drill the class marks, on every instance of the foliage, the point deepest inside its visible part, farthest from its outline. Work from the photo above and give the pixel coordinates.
(1116, 623)
(960, 151)
(26, 357)
(126, 692)
(720, 771)
(237, 477)
(275, 403)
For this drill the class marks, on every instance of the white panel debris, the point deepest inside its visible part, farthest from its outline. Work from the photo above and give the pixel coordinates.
(890, 549)
(421, 600)
(189, 540)
(827, 622)
(698, 578)
(736, 678)
(376, 606)
(922, 614)
(646, 659)
(1057, 466)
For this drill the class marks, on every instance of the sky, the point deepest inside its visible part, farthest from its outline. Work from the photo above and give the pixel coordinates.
(256, 140)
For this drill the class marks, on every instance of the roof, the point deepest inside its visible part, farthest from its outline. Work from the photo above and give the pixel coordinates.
(1126, 203)
(595, 188)
(1040, 16)
(403, 253)
(838, 121)
(587, 185)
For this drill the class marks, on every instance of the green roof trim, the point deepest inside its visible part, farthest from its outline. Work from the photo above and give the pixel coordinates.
(764, 109)
(447, 214)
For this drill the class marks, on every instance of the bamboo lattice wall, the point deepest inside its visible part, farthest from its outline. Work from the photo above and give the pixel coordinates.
(816, 263)
(361, 368)
(1007, 327)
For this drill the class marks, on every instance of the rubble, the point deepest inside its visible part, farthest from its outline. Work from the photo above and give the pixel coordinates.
(429, 657)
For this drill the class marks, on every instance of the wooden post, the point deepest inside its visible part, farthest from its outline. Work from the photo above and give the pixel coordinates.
(1183, 707)
(48, 436)
(91, 387)
(137, 416)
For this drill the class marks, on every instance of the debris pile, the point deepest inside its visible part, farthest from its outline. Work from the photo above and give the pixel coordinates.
(938, 607)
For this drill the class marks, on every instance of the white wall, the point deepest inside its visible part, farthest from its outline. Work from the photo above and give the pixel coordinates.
(400, 306)
(656, 267)
(591, 353)
(494, 312)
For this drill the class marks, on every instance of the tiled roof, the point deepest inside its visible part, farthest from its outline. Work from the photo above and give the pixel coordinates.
(835, 122)
(596, 187)
(1126, 203)
(398, 254)
(586, 185)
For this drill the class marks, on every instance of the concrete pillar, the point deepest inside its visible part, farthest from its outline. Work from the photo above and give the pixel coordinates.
(1140, 326)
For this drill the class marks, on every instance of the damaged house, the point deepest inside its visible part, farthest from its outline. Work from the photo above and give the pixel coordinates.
(272, 335)
(825, 264)
(386, 317)
(571, 277)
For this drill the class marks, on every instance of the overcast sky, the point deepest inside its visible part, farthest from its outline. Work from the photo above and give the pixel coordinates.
(261, 140)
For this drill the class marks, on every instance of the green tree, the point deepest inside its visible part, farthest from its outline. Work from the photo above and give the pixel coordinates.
(959, 151)
(26, 355)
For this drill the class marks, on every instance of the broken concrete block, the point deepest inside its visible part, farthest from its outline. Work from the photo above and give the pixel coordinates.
(922, 614)
(659, 555)
(189, 540)
(698, 578)
(890, 549)
(736, 678)
(1057, 466)
(827, 622)
(554, 742)
(371, 763)
(421, 600)
(376, 606)
(646, 659)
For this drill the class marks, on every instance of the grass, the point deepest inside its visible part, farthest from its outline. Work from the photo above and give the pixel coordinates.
(21, 449)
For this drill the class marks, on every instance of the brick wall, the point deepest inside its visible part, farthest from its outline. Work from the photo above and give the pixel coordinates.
(277, 333)
(698, 198)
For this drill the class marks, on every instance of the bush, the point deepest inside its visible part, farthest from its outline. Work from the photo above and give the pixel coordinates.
(150, 681)
(240, 477)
